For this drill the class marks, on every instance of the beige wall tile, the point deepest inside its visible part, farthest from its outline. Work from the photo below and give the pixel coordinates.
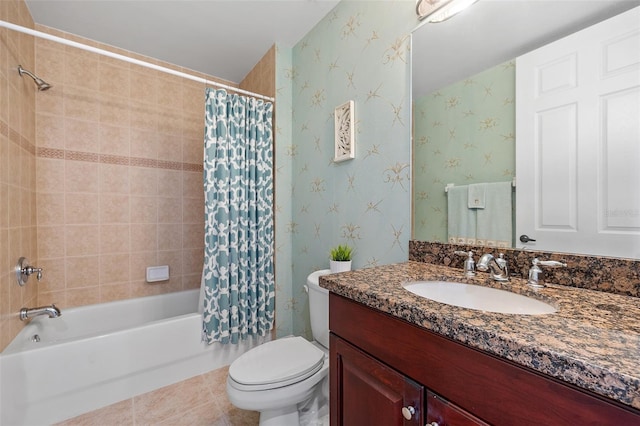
(114, 238)
(51, 209)
(114, 268)
(114, 79)
(81, 70)
(81, 176)
(114, 140)
(50, 175)
(114, 208)
(81, 135)
(82, 296)
(138, 263)
(82, 240)
(82, 271)
(51, 241)
(81, 104)
(114, 110)
(53, 276)
(169, 146)
(169, 236)
(81, 208)
(144, 209)
(144, 181)
(50, 131)
(169, 183)
(144, 237)
(113, 292)
(193, 235)
(114, 179)
(144, 143)
(169, 210)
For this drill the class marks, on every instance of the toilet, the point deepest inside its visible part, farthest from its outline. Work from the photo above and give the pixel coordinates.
(286, 379)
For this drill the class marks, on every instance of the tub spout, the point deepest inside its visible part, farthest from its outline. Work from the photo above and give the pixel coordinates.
(51, 311)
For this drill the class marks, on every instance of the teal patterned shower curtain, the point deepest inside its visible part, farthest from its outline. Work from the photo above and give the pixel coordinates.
(238, 278)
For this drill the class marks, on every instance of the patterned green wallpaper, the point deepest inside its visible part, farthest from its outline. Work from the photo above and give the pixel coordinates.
(463, 133)
(360, 51)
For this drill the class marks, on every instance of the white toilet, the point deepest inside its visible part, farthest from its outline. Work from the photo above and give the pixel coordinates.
(281, 377)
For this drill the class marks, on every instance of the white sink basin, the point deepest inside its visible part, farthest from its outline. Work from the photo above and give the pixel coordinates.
(478, 297)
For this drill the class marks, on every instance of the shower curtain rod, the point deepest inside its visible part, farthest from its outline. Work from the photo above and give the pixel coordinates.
(103, 52)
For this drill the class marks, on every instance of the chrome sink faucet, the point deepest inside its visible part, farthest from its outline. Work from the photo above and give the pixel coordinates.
(535, 273)
(469, 264)
(498, 267)
(51, 311)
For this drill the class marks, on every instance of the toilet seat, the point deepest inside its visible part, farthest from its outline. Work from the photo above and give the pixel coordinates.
(276, 364)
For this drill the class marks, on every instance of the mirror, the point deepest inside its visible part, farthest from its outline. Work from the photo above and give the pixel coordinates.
(464, 73)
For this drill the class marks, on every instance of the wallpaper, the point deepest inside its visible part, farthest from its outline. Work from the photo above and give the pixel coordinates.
(463, 133)
(360, 51)
(283, 182)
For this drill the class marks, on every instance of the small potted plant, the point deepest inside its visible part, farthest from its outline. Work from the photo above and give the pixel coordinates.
(340, 260)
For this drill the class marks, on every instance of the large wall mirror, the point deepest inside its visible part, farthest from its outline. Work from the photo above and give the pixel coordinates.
(463, 92)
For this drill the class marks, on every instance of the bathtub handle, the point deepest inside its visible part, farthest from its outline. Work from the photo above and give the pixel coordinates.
(24, 270)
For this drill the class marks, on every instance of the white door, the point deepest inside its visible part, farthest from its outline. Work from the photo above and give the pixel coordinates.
(578, 141)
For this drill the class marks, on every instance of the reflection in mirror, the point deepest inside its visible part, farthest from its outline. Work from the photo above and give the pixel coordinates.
(464, 93)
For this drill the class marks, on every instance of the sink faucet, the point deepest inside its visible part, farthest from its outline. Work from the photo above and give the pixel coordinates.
(51, 311)
(498, 267)
(535, 273)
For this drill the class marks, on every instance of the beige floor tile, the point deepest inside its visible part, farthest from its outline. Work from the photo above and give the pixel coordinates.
(120, 413)
(162, 404)
(204, 415)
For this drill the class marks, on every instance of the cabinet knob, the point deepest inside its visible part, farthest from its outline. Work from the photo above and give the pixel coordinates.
(432, 424)
(408, 412)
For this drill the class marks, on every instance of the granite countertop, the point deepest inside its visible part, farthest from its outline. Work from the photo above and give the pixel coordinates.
(592, 341)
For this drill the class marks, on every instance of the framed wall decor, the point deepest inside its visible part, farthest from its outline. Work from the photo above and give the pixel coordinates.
(345, 144)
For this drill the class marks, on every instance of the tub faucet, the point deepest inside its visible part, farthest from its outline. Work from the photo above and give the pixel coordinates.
(498, 267)
(51, 311)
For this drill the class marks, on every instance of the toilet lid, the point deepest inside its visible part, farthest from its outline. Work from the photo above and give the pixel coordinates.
(290, 359)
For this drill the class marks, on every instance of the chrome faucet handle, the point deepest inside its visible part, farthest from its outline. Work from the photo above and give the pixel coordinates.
(469, 263)
(24, 271)
(535, 273)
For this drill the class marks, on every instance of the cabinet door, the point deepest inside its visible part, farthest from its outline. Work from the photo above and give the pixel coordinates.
(444, 413)
(366, 392)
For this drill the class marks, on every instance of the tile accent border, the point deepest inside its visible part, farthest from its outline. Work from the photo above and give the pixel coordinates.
(607, 274)
(15, 137)
(63, 154)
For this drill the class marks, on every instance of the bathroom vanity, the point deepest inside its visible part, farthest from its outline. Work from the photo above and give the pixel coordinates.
(400, 359)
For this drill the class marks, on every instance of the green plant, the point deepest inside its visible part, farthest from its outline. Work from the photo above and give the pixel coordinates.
(341, 253)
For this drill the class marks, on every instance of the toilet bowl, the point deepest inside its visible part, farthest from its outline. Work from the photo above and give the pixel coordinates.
(280, 377)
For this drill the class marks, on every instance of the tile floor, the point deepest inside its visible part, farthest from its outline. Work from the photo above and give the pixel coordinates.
(201, 400)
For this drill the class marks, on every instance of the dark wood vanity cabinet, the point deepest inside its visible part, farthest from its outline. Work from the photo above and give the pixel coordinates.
(381, 364)
(371, 393)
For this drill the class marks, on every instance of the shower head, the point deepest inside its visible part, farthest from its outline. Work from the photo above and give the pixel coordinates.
(42, 85)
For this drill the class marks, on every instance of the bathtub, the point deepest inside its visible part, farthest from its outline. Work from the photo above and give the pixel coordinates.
(94, 356)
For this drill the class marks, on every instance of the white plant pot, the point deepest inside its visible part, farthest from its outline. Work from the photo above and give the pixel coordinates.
(339, 266)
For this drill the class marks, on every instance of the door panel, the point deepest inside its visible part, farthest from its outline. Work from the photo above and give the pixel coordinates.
(578, 141)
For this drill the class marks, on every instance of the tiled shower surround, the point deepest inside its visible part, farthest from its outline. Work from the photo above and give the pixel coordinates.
(119, 177)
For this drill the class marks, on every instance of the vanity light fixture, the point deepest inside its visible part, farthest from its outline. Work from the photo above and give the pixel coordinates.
(440, 10)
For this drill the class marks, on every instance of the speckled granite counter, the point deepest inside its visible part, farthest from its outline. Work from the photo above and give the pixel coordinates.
(592, 341)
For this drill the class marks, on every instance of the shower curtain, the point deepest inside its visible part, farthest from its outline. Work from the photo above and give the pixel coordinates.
(238, 278)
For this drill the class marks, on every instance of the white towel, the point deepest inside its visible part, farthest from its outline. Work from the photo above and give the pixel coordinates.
(460, 219)
(494, 222)
(477, 195)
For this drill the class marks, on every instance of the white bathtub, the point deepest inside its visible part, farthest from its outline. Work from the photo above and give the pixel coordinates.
(97, 355)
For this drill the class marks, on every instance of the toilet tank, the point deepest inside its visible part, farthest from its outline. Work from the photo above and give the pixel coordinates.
(319, 308)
